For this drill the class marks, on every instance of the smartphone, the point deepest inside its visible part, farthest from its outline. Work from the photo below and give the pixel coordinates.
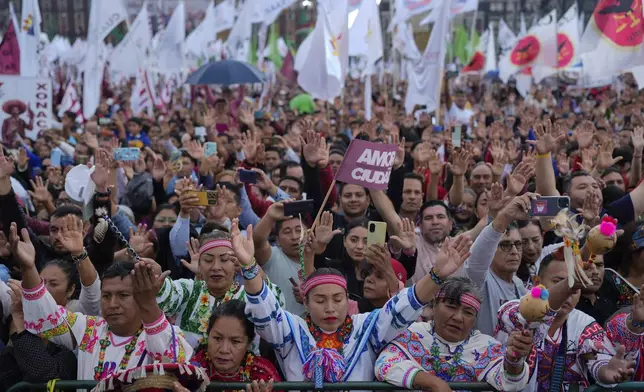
(56, 156)
(206, 198)
(548, 206)
(124, 154)
(200, 131)
(456, 136)
(247, 176)
(376, 233)
(294, 208)
(104, 121)
(210, 149)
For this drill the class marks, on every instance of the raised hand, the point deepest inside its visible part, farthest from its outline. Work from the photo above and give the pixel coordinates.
(40, 194)
(406, 239)
(246, 116)
(400, 151)
(591, 208)
(140, 239)
(23, 250)
(638, 139)
(313, 149)
(452, 255)
(72, 235)
(496, 201)
(250, 144)
(461, 160)
(263, 182)
(380, 258)
(158, 168)
(101, 172)
(7, 166)
(276, 211)
(195, 149)
(324, 232)
(605, 158)
(585, 133)
(5, 246)
(519, 207)
(146, 283)
(434, 163)
(193, 251)
(547, 138)
(519, 178)
(244, 248)
(16, 297)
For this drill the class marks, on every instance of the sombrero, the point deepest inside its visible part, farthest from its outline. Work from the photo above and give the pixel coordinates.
(157, 377)
(10, 104)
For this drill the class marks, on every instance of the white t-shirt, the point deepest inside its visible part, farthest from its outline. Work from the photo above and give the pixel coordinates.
(457, 116)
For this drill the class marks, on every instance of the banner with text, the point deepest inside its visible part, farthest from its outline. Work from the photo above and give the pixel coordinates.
(21, 95)
(367, 164)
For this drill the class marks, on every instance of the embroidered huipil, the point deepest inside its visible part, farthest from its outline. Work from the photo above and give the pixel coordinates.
(189, 303)
(587, 347)
(618, 333)
(478, 358)
(293, 342)
(159, 341)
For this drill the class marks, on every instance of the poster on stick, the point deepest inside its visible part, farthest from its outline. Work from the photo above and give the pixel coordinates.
(367, 164)
(25, 106)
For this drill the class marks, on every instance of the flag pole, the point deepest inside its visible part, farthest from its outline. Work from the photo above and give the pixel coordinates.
(326, 198)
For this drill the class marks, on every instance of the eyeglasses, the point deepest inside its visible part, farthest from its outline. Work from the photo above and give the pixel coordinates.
(507, 246)
(164, 220)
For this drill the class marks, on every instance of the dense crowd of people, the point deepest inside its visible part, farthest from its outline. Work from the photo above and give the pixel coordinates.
(142, 271)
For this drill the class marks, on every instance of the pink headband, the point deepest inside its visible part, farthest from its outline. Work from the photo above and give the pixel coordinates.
(310, 283)
(215, 244)
(466, 299)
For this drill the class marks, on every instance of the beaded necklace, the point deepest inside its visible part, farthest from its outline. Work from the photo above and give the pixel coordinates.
(452, 360)
(105, 343)
(335, 340)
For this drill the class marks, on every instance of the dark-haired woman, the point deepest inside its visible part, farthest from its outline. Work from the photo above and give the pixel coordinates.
(229, 357)
(450, 349)
(330, 345)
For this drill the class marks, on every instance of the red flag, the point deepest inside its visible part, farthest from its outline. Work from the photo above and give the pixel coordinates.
(10, 52)
(288, 68)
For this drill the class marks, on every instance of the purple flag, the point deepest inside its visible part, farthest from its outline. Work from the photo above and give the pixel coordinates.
(10, 52)
(367, 164)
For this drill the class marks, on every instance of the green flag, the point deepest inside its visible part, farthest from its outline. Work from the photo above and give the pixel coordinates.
(459, 45)
(252, 53)
(273, 51)
(472, 45)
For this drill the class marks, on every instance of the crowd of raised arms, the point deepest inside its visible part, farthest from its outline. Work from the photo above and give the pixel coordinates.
(144, 272)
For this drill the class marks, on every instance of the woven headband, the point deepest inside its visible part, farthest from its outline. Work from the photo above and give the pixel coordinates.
(310, 283)
(466, 299)
(215, 244)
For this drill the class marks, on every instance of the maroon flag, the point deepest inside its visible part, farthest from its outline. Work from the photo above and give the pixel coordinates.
(10, 52)
(367, 164)
(288, 67)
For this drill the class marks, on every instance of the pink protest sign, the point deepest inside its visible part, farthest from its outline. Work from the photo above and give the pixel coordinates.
(367, 164)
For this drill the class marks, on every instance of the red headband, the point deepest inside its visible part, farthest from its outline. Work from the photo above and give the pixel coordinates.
(310, 283)
(466, 299)
(215, 244)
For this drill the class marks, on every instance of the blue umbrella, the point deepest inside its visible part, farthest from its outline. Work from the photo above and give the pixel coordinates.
(226, 72)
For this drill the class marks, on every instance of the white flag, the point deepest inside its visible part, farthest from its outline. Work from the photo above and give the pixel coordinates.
(484, 58)
(170, 50)
(365, 36)
(506, 37)
(239, 38)
(141, 98)
(270, 9)
(615, 38)
(324, 76)
(457, 7)
(403, 41)
(336, 12)
(29, 38)
(129, 55)
(224, 15)
(405, 9)
(426, 74)
(567, 45)
(104, 16)
(198, 41)
(538, 47)
(71, 103)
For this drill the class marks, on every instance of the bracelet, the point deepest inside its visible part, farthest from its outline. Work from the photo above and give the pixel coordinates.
(435, 278)
(251, 271)
(511, 361)
(81, 257)
(636, 324)
(546, 155)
